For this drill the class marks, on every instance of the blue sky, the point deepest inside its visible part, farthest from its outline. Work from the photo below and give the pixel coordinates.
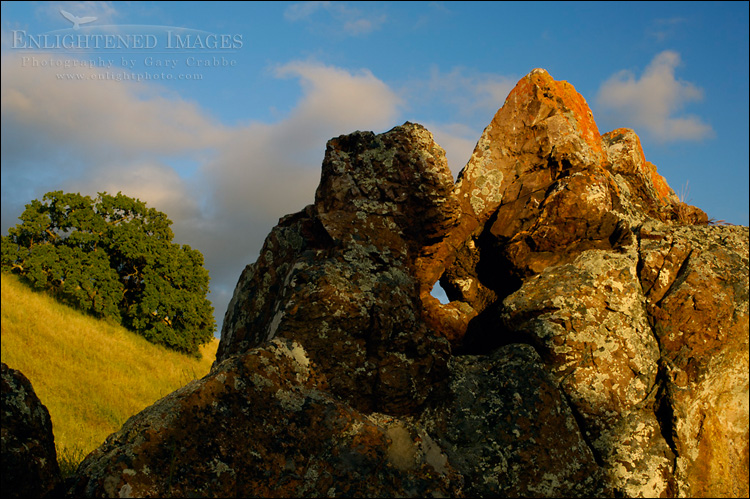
(227, 138)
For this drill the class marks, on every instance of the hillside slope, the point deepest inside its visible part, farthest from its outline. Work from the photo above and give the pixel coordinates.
(92, 375)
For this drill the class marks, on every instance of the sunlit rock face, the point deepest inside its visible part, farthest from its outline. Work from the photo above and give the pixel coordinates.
(595, 344)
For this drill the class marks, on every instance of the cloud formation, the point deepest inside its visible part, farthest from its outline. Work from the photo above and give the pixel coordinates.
(464, 90)
(664, 29)
(339, 16)
(224, 187)
(653, 101)
(99, 113)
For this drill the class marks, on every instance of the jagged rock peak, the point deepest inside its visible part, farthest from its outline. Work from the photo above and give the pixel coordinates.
(541, 186)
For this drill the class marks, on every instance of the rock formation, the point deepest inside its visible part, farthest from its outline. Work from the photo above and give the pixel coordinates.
(595, 344)
(339, 276)
(262, 424)
(28, 457)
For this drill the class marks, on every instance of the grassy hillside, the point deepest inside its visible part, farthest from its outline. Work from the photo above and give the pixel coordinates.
(92, 375)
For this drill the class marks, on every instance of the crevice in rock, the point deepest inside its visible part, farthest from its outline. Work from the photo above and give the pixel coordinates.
(581, 423)
(559, 169)
(640, 264)
(663, 411)
(664, 414)
(677, 278)
(621, 237)
(494, 269)
(487, 332)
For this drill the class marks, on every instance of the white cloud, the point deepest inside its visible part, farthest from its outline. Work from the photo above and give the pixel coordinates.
(337, 17)
(458, 140)
(303, 10)
(666, 28)
(652, 103)
(463, 91)
(98, 114)
(91, 135)
(341, 98)
(157, 183)
(362, 26)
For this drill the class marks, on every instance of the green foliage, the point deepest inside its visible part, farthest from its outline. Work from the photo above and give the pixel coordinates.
(113, 257)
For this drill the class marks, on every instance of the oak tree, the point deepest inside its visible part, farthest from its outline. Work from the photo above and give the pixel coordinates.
(113, 257)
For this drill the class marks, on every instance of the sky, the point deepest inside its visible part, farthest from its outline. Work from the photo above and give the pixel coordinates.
(218, 113)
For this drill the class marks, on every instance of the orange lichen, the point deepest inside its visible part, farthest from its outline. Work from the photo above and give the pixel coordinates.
(660, 185)
(582, 113)
(562, 96)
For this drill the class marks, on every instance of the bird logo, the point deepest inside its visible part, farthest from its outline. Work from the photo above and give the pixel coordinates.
(77, 20)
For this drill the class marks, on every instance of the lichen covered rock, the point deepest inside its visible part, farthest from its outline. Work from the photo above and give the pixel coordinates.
(261, 424)
(340, 275)
(697, 281)
(588, 320)
(596, 342)
(508, 429)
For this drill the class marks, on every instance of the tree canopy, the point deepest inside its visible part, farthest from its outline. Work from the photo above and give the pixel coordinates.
(113, 257)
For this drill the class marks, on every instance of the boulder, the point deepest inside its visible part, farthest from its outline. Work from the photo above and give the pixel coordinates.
(595, 344)
(696, 281)
(340, 275)
(541, 187)
(29, 458)
(588, 321)
(263, 424)
(509, 431)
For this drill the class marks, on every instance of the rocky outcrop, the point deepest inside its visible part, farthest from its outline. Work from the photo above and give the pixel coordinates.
(696, 283)
(595, 344)
(510, 431)
(29, 459)
(339, 276)
(262, 425)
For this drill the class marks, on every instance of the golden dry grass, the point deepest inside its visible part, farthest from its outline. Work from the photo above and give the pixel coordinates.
(92, 375)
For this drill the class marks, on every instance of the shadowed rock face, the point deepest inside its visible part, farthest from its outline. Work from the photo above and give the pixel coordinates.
(261, 424)
(29, 459)
(596, 342)
(506, 425)
(340, 275)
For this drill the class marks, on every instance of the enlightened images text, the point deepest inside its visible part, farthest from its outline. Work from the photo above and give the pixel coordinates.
(170, 40)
